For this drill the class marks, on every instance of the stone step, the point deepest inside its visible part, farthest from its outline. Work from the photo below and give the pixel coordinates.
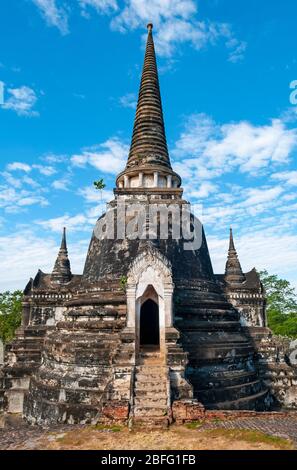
(227, 393)
(150, 383)
(245, 403)
(222, 379)
(150, 422)
(158, 368)
(147, 382)
(157, 402)
(149, 354)
(35, 332)
(150, 380)
(26, 357)
(154, 362)
(145, 369)
(146, 411)
(143, 389)
(150, 390)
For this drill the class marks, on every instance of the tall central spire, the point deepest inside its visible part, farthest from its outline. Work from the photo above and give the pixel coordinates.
(149, 141)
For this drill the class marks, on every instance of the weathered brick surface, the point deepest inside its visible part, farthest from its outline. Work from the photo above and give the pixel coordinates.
(114, 411)
(185, 411)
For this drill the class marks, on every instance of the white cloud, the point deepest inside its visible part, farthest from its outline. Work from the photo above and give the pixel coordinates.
(269, 249)
(76, 223)
(19, 166)
(62, 183)
(30, 182)
(220, 149)
(13, 200)
(22, 101)
(101, 6)
(14, 182)
(204, 190)
(19, 190)
(238, 49)
(137, 13)
(176, 22)
(31, 200)
(255, 196)
(52, 158)
(19, 182)
(24, 252)
(53, 14)
(128, 101)
(45, 170)
(90, 194)
(243, 206)
(287, 177)
(109, 157)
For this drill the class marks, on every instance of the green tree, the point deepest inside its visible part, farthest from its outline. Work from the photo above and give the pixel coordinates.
(281, 296)
(281, 305)
(10, 314)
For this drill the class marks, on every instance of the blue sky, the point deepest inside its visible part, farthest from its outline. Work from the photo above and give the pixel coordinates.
(70, 71)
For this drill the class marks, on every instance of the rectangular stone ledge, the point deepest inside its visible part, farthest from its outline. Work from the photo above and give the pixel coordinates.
(186, 411)
(15, 399)
(148, 191)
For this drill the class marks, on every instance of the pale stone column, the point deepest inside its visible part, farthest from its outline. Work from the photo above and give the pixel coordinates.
(169, 181)
(140, 182)
(131, 304)
(126, 181)
(156, 179)
(168, 305)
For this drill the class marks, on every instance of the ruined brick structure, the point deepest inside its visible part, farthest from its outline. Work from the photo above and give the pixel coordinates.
(148, 324)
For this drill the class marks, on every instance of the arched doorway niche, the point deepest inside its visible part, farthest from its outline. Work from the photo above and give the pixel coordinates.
(150, 278)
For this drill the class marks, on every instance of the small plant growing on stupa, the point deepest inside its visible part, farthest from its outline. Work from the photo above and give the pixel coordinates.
(100, 185)
(123, 283)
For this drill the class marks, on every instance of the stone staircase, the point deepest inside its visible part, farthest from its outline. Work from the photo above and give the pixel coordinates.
(151, 404)
(22, 358)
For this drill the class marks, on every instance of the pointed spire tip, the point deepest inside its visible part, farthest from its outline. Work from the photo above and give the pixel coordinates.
(148, 142)
(61, 273)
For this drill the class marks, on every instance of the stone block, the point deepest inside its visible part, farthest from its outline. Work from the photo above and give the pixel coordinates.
(15, 400)
(116, 411)
(185, 411)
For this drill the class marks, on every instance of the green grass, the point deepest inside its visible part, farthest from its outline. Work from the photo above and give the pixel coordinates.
(252, 437)
(194, 424)
(105, 427)
(217, 420)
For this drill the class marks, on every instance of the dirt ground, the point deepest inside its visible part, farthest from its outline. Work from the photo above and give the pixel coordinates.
(276, 432)
(17, 435)
(176, 438)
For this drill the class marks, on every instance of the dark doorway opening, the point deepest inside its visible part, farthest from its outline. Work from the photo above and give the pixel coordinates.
(149, 324)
